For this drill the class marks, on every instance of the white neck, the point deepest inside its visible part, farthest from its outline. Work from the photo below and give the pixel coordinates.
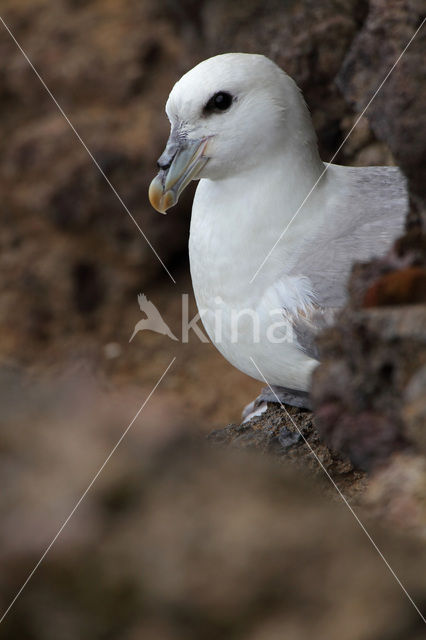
(232, 229)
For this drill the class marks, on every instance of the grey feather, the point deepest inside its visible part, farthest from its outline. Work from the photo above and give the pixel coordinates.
(364, 219)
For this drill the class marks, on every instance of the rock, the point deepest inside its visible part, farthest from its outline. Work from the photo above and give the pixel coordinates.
(397, 114)
(396, 493)
(291, 436)
(399, 287)
(394, 279)
(414, 410)
(358, 392)
(179, 539)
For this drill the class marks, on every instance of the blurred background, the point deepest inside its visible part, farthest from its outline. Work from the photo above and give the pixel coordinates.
(151, 553)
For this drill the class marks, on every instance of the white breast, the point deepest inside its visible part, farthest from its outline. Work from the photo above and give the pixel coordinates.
(241, 317)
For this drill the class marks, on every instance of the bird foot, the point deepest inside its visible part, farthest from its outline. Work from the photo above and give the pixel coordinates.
(278, 395)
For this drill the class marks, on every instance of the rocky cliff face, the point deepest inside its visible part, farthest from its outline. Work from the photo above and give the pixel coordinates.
(183, 539)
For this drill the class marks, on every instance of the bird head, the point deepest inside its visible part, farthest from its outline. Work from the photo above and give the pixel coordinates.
(226, 114)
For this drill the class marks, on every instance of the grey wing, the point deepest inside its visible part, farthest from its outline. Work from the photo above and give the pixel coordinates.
(363, 221)
(363, 218)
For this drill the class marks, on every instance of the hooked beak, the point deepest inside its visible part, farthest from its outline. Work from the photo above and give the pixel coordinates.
(180, 163)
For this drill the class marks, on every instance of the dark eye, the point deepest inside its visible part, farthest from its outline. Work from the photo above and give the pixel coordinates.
(219, 102)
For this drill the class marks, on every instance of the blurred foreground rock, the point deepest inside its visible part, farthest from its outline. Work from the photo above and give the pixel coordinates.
(180, 540)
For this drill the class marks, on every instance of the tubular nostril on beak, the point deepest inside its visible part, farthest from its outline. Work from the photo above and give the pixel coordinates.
(164, 164)
(165, 161)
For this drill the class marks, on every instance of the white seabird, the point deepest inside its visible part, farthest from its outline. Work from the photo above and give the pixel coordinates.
(240, 126)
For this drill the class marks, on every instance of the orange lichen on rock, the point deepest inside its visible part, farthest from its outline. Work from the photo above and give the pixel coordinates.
(406, 286)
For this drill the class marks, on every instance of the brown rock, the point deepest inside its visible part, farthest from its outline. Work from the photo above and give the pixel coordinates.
(396, 493)
(414, 410)
(399, 287)
(397, 115)
(369, 358)
(290, 436)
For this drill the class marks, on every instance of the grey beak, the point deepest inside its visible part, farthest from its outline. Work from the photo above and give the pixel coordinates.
(180, 163)
(172, 147)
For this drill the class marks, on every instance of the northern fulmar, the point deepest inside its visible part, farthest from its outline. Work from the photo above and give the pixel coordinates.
(262, 239)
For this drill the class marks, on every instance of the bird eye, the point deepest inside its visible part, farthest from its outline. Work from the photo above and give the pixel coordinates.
(221, 101)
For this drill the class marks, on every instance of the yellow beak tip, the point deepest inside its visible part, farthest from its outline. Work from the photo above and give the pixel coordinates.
(160, 200)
